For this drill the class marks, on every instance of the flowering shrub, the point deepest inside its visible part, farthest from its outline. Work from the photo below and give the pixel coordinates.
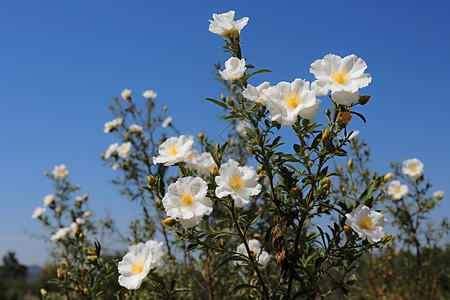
(259, 205)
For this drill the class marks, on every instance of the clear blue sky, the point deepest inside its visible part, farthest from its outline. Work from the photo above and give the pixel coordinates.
(61, 62)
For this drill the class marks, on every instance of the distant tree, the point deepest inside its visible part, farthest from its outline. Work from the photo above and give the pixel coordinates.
(13, 275)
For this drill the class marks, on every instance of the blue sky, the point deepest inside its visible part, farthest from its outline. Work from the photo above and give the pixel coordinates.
(62, 62)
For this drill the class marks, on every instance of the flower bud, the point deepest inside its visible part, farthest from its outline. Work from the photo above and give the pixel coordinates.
(347, 230)
(388, 176)
(147, 139)
(328, 112)
(200, 137)
(169, 222)
(45, 173)
(387, 238)
(223, 97)
(326, 183)
(43, 292)
(151, 180)
(214, 171)
(259, 169)
(325, 134)
(344, 117)
(231, 142)
(230, 101)
(350, 164)
(58, 210)
(260, 176)
(60, 273)
(102, 156)
(296, 193)
(63, 264)
(165, 107)
(363, 99)
(139, 111)
(250, 150)
(85, 196)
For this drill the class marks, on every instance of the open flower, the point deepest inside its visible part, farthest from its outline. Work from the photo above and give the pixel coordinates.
(204, 163)
(149, 94)
(234, 69)
(135, 128)
(60, 234)
(413, 168)
(135, 266)
(396, 190)
(49, 199)
(126, 94)
(261, 257)
(289, 100)
(38, 212)
(238, 182)
(60, 172)
(111, 150)
(186, 200)
(112, 125)
(174, 150)
(438, 194)
(167, 122)
(257, 94)
(224, 24)
(124, 150)
(368, 224)
(339, 74)
(344, 97)
(157, 253)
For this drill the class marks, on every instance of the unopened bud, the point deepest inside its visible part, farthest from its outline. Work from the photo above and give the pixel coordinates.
(60, 273)
(78, 233)
(260, 176)
(363, 99)
(139, 111)
(200, 137)
(344, 117)
(231, 142)
(326, 183)
(45, 173)
(350, 164)
(169, 222)
(165, 107)
(147, 139)
(387, 238)
(58, 210)
(388, 176)
(43, 292)
(102, 156)
(151, 180)
(214, 171)
(325, 134)
(158, 202)
(92, 251)
(347, 230)
(230, 101)
(260, 168)
(85, 196)
(328, 112)
(223, 97)
(250, 150)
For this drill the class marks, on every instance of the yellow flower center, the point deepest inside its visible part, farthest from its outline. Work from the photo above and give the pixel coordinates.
(61, 172)
(186, 198)
(137, 267)
(367, 223)
(293, 99)
(413, 169)
(397, 191)
(237, 182)
(340, 76)
(172, 150)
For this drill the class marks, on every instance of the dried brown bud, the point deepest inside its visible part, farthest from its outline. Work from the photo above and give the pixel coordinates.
(279, 245)
(347, 230)
(344, 117)
(363, 99)
(169, 222)
(214, 171)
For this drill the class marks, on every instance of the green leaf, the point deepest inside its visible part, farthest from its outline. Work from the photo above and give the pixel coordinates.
(223, 105)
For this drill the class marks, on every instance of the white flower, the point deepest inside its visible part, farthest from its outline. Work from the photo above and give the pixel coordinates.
(112, 125)
(239, 182)
(124, 150)
(186, 199)
(60, 234)
(234, 69)
(396, 190)
(167, 122)
(38, 211)
(339, 74)
(157, 253)
(79, 198)
(126, 94)
(344, 97)
(257, 94)
(255, 247)
(87, 213)
(438, 194)
(353, 135)
(191, 160)
(49, 199)
(413, 168)
(135, 128)
(240, 128)
(204, 164)
(60, 172)
(368, 224)
(224, 24)
(149, 94)
(174, 150)
(111, 150)
(135, 266)
(80, 221)
(115, 166)
(289, 100)
(73, 226)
